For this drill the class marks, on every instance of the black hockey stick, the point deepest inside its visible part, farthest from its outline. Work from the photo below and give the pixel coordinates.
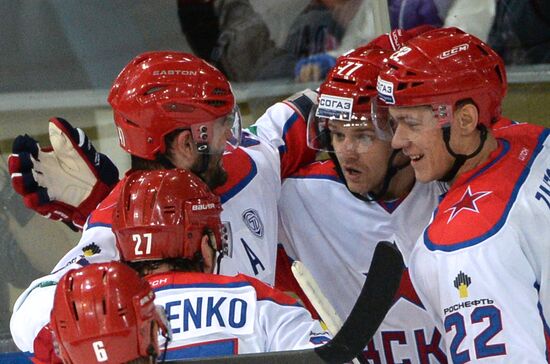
(367, 314)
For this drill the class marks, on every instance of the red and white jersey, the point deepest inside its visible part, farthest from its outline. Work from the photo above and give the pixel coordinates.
(482, 266)
(274, 147)
(334, 234)
(213, 315)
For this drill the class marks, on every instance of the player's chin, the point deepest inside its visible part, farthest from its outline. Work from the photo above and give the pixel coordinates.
(425, 175)
(216, 175)
(360, 188)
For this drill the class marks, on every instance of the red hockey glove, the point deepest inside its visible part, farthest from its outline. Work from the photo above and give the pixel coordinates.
(64, 182)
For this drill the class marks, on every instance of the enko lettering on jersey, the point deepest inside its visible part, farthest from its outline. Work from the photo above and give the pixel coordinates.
(195, 312)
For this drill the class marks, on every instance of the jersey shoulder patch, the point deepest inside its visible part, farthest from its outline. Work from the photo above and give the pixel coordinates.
(477, 205)
(318, 170)
(241, 170)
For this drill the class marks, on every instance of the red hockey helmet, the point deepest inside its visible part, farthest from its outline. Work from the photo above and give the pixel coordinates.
(345, 97)
(104, 313)
(350, 87)
(159, 92)
(164, 214)
(441, 67)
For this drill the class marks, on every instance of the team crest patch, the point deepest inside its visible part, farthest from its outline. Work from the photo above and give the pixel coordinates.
(467, 202)
(87, 251)
(462, 282)
(91, 249)
(252, 220)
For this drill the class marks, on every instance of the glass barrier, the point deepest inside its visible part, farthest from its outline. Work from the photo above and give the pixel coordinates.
(249, 40)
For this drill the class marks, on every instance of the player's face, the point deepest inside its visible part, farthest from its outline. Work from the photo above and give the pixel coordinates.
(215, 174)
(419, 136)
(362, 157)
(221, 135)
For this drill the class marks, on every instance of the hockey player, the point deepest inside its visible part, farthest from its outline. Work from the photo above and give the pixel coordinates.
(167, 225)
(333, 213)
(105, 313)
(481, 265)
(171, 110)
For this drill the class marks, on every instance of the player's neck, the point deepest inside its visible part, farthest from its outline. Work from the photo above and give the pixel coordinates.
(490, 145)
(400, 185)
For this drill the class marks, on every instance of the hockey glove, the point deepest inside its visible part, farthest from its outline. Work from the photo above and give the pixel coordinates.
(64, 182)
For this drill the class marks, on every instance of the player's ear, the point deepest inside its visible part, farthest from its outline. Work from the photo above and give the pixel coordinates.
(208, 254)
(467, 118)
(183, 150)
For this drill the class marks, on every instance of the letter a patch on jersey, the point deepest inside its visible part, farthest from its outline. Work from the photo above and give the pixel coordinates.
(254, 260)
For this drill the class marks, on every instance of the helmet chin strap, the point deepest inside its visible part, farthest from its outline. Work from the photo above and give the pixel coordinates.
(202, 166)
(460, 159)
(204, 160)
(391, 171)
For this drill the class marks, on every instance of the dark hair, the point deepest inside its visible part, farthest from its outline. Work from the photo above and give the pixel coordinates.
(463, 102)
(176, 264)
(162, 161)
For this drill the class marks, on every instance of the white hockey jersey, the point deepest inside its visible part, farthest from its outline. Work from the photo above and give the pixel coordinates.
(213, 315)
(482, 266)
(249, 200)
(334, 234)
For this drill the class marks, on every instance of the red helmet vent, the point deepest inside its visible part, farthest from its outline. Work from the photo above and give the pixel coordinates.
(154, 89)
(220, 91)
(402, 86)
(177, 107)
(344, 80)
(75, 311)
(482, 50)
(169, 209)
(215, 103)
(363, 100)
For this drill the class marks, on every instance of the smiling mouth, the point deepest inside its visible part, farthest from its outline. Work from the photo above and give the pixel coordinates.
(416, 157)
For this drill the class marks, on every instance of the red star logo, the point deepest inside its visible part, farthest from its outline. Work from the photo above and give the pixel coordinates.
(467, 202)
(406, 290)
